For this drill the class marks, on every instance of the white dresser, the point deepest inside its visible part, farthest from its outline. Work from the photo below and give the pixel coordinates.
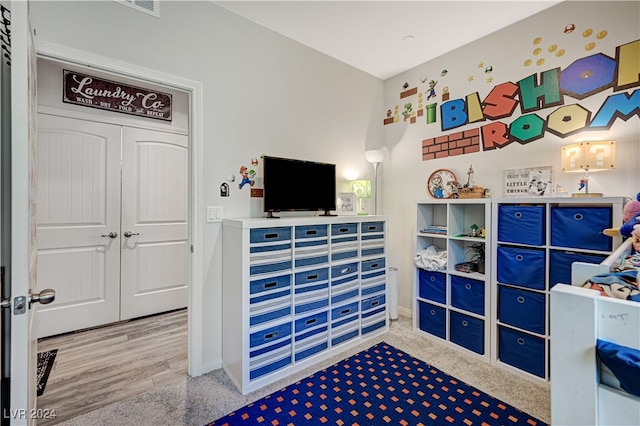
(296, 290)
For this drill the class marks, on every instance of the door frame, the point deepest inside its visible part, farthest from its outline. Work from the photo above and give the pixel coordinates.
(55, 52)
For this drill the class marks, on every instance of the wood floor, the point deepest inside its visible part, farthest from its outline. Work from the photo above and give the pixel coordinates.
(97, 367)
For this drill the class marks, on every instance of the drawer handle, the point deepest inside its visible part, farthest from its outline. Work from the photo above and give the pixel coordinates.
(345, 270)
(372, 227)
(519, 258)
(520, 341)
(312, 277)
(432, 278)
(271, 284)
(312, 232)
(432, 312)
(518, 215)
(312, 321)
(271, 335)
(465, 323)
(520, 299)
(374, 265)
(376, 303)
(343, 230)
(273, 235)
(467, 286)
(578, 216)
(345, 311)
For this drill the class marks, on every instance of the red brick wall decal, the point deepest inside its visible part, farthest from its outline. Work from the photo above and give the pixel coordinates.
(454, 144)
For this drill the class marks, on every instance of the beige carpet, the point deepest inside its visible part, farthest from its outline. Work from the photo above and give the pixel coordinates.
(196, 401)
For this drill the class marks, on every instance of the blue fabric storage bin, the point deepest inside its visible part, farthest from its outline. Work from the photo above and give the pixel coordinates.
(521, 308)
(521, 224)
(432, 286)
(466, 331)
(521, 266)
(467, 294)
(521, 350)
(581, 227)
(433, 320)
(560, 264)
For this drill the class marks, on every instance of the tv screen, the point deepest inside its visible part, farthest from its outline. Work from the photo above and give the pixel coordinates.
(298, 185)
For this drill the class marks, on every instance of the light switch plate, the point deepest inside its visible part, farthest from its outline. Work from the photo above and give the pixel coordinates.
(214, 213)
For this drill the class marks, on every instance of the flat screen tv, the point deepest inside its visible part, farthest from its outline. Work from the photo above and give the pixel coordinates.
(298, 185)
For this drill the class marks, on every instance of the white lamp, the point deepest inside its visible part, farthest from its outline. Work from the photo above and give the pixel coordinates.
(585, 157)
(375, 157)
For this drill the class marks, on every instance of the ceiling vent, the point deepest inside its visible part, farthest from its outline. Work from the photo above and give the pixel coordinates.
(152, 7)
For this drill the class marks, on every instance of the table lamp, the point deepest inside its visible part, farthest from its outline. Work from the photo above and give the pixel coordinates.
(587, 157)
(362, 189)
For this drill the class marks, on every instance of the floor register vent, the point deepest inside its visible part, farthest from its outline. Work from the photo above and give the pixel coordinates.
(152, 7)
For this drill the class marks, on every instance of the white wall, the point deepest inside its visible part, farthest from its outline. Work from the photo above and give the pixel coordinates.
(263, 94)
(404, 173)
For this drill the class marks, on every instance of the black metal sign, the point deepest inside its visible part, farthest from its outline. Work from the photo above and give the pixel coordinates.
(85, 90)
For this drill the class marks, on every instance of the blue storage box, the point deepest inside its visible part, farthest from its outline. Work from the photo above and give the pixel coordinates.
(311, 290)
(345, 283)
(521, 266)
(345, 323)
(311, 335)
(521, 224)
(521, 308)
(467, 294)
(581, 227)
(432, 286)
(270, 350)
(344, 241)
(372, 238)
(521, 350)
(269, 299)
(466, 331)
(560, 264)
(269, 250)
(433, 320)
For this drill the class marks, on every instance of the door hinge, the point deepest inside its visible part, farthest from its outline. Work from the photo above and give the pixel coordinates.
(191, 248)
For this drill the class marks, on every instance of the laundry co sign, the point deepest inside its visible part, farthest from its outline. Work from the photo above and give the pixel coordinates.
(95, 92)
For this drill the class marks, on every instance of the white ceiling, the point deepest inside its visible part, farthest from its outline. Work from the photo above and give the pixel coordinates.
(369, 34)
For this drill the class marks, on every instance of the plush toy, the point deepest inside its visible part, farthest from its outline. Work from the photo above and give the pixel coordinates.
(630, 218)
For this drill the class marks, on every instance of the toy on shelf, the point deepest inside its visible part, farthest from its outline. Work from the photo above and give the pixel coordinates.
(631, 223)
(469, 189)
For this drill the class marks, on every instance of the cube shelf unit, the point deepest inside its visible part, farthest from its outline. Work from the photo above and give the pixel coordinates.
(535, 241)
(298, 290)
(449, 305)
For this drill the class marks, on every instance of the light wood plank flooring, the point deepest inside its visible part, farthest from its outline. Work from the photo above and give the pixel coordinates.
(97, 367)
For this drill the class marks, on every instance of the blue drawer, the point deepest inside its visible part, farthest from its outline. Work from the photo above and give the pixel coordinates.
(521, 350)
(269, 336)
(560, 264)
(269, 235)
(521, 308)
(311, 290)
(373, 313)
(466, 331)
(372, 305)
(372, 238)
(521, 266)
(373, 267)
(345, 324)
(311, 335)
(270, 350)
(269, 299)
(467, 294)
(344, 241)
(433, 320)
(581, 227)
(369, 227)
(521, 224)
(311, 231)
(345, 283)
(269, 250)
(432, 286)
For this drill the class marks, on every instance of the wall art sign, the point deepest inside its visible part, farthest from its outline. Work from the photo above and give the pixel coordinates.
(94, 92)
(530, 182)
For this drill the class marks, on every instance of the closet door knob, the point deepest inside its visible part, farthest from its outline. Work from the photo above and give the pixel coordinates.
(111, 234)
(130, 234)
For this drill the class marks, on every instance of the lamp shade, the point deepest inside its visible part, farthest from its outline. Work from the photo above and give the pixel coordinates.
(593, 156)
(361, 187)
(375, 156)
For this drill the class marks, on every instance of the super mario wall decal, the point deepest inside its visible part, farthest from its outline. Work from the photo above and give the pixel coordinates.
(514, 111)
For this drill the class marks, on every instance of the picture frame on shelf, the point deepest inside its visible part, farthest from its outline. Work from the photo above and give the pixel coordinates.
(347, 204)
(528, 182)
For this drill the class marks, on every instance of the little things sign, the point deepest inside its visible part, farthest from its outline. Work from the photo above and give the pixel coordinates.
(95, 92)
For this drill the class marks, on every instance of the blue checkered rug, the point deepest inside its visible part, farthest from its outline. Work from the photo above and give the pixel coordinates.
(379, 386)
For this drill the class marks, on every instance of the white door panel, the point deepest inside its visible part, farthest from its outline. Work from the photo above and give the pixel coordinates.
(78, 202)
(155, 210)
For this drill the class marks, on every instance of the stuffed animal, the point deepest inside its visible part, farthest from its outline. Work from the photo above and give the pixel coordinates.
(630, 218)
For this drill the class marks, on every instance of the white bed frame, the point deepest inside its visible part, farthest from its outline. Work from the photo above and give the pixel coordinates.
(579, 316)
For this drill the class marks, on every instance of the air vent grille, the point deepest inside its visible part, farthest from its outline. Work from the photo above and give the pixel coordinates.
(152, 7)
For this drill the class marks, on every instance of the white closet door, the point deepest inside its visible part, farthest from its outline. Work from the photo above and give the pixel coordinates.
(78, 205)
(155, 255)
